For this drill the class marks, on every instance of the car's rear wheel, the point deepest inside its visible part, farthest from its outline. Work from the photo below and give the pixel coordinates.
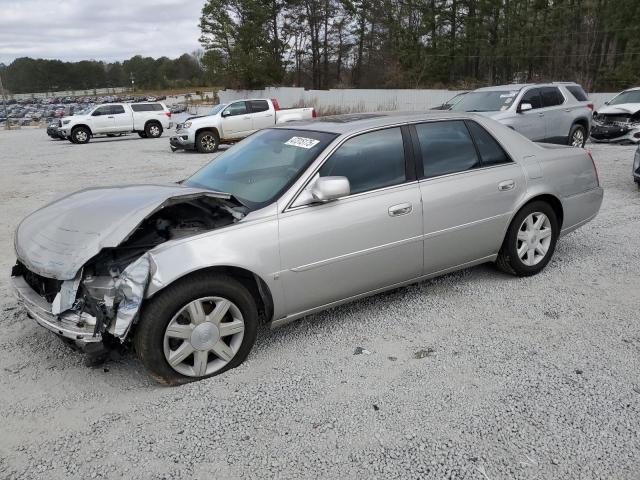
(197, 328)
(153, 130)
(207, 142)
(80, 135)
(142, 134)
(530, 240)
(577, 136)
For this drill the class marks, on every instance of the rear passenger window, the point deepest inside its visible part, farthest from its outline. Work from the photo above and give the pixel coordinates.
(532, 97)
(577, 92)
(446, 148)
(551, 97)
(370, 161)
(146, 107)
(258, 106)
(491, 153)
(117, 109)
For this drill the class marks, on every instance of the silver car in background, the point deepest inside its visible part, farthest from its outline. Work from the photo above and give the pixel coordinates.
(291, 221)
(543, 112)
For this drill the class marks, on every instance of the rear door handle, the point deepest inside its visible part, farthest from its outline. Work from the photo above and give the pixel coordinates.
(506, 185)
(540, 114)
(246, 118)
(109, 117)
(401, 209)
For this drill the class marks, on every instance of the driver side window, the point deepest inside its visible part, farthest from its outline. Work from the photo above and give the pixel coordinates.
(237, 108)
(101, 111)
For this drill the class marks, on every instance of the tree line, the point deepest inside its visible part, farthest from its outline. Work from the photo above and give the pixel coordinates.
(421, 43)
(26, 75)
(324, 44)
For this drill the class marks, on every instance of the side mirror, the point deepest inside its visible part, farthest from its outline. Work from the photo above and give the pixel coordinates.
(226, 113)
(524, 107)
(97, 113)
(326, 189)
(322, 190)
(607, 102)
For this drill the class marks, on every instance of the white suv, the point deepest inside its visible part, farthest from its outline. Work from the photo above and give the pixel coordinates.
(146, 119)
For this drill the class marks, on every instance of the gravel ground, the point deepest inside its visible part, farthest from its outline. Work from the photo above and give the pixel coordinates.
(474, 375)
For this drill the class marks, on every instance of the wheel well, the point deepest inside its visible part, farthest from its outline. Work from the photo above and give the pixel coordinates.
(553, 202)
(253, 283)
(583, 122)
(82, 125)
(151, 121)
(208, 129)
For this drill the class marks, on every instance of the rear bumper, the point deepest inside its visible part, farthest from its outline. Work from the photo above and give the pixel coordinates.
(69, 325)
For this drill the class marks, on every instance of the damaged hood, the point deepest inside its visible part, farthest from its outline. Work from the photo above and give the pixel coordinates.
(622, 109)
(58, 239)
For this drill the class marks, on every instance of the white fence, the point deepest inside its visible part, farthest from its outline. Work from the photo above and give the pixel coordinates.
(356, 100)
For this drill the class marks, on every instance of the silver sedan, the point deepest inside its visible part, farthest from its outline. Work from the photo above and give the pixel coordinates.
(291, 221)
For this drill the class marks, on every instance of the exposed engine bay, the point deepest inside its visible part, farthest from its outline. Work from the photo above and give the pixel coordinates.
(105, 295)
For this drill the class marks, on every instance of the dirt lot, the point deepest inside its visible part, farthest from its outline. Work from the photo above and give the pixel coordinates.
(473, 375)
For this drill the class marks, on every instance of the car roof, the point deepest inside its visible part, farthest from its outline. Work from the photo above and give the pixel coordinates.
(519, 86)
(356, 122)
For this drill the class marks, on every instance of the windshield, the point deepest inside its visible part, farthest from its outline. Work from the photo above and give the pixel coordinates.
(486, 101)
(216, 109)
(262, 166)
(630, 96)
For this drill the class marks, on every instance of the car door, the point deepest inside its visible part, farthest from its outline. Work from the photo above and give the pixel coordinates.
(469, 186)
(236, 121)
(557, 115)
(531, 123)
(365, 241)
(101, 120)
(261, 115)
(123, 120)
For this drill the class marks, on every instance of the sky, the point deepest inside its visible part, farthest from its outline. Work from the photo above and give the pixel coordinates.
(106, 30)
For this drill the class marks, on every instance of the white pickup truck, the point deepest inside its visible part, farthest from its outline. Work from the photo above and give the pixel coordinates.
(228, 123)
(146, 119)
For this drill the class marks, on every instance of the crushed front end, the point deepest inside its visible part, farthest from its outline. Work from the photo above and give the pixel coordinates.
(620, 127)
(84, 261)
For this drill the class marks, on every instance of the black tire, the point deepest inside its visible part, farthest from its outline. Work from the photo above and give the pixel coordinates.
(142, 134)
(508, 259)
(80, 135)
(156, 315)
(207, 142)
(153, 130)
(577, 136)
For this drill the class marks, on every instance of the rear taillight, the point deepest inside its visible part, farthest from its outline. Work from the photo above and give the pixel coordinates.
(276, 105)
(168, 114)
(313, 113)
(590, 106)
(595, 169)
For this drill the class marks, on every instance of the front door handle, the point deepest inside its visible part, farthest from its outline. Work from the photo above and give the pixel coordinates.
(109, 117)
(506, 185)
(540, 114)
(401, 209)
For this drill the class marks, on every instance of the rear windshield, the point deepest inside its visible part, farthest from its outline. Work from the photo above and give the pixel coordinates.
(486, 101)
(146, 107)
(578, 93)
(630, 96)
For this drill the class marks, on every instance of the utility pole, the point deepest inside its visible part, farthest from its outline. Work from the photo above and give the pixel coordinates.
(4, 103)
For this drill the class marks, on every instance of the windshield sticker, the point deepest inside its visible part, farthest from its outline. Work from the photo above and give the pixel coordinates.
(302, 142)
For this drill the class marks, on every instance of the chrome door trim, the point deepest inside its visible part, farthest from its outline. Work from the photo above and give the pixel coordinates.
(347, 256)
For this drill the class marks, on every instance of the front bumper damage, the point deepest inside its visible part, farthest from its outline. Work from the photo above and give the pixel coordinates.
(615, 133)
(183, 139)
(70, 315)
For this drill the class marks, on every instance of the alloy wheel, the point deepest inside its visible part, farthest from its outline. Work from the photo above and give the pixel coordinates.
(534, 238)
(578, 138)
(154, 131)
(204, 336)
(208, 142)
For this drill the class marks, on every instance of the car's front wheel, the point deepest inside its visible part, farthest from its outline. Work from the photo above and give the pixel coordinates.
(530, 240)
(197, 328)
(577, 136)
(207, 142)
(80, 135)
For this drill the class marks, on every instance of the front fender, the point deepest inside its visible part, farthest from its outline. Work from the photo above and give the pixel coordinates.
(252, 246)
